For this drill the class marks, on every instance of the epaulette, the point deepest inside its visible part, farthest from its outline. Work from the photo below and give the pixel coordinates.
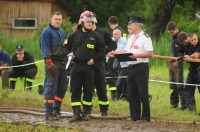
(146, 35)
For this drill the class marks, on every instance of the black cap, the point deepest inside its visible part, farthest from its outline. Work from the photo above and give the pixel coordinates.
(19, 47)
(136, 19)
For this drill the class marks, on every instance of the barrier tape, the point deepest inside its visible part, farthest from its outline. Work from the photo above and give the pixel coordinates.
(151, 80)
(22, 65)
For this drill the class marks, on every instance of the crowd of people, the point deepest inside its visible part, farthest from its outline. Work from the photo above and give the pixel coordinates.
(183, 46)
(96, 55)
(23, 66)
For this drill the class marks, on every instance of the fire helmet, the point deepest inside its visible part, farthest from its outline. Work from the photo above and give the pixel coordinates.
(87, 16)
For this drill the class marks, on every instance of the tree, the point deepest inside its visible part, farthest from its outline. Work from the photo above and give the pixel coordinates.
(161, 18)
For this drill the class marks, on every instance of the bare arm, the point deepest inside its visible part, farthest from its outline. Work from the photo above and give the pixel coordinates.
(147, 54)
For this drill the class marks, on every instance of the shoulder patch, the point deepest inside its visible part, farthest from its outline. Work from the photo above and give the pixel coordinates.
(146, 35)
(65, 42)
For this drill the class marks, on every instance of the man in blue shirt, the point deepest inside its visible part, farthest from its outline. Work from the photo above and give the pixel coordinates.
(121, 83)
(4, 72)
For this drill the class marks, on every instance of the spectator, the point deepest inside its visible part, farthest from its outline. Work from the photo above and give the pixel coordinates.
(113, 23)
(176, 69)
(4, 72)
(22, 57)
(52, 40)
(121, 83)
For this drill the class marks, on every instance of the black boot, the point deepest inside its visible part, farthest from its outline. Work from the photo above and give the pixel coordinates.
(29, 85)
(51, 117)
(12, 85)
(85, 116)
(77, 114)
(56, 113)
(114, 95)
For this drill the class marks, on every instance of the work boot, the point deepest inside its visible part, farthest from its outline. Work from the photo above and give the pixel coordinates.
(77, 114)
(85, 116)
(12, 85)
(57, 113)
(51, 117)
(114, 95)
(29, 85)
(104, 113)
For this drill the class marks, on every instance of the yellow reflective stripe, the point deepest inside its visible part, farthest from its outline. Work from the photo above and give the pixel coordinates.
(75, 103)
(104, 103)
(29, 80)
(91, 46)
(13, 79)
(107, 86)
(112, 88)
(86, 103)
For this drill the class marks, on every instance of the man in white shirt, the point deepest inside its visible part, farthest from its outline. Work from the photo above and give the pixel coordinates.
(140, 45)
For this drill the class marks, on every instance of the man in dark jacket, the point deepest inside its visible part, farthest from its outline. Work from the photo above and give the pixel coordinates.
(88, 49)
(176, 69)
(22, 57)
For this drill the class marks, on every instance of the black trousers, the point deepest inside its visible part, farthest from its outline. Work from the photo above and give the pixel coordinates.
(138, 76)
(82, 79)
(100, 84)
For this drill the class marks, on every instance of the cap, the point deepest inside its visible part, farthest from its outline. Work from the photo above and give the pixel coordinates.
(19, 47)
(136, 19)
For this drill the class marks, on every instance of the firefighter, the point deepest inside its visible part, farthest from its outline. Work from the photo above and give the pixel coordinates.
(88, 49)
(55, 84)
(100, 68)
(22, 57)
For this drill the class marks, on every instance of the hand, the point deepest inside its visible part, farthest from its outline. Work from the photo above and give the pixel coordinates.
(180, 58)
(111, 54)
(90, 62)
(51, 68)
(20, 57)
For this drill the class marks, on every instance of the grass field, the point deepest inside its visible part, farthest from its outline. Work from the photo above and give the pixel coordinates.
(160, 106)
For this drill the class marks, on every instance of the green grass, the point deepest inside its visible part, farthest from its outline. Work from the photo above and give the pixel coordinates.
(160, 106)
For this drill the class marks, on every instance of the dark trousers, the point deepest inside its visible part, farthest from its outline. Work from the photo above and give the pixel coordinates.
(192, 78)
(138, 76)
(112, 72)
(82, 77)
(178, 93)
(100, 84)
(121, 84)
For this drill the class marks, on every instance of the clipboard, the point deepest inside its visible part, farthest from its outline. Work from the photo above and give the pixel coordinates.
(124, 57)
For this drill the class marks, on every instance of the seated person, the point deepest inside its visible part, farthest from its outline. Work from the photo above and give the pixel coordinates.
(4, 72)
(22, 57)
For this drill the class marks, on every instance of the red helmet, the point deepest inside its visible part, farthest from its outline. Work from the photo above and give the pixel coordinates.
(87, 16)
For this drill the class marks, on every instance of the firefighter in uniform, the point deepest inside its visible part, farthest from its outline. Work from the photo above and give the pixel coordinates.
(191, 49)
(140, 45)
(55, 83)
(88, 49)
(22, 57)
(100, 69)
(176, 69)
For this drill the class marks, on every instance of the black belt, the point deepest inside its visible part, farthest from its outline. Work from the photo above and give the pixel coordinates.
(136, 65)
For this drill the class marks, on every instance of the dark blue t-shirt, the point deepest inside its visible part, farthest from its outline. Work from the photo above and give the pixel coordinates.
(4, 57)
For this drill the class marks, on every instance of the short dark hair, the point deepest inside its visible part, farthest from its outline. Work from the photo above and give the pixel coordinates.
(171, 26)
(181, 37)
(113, 20)
(56, 13)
